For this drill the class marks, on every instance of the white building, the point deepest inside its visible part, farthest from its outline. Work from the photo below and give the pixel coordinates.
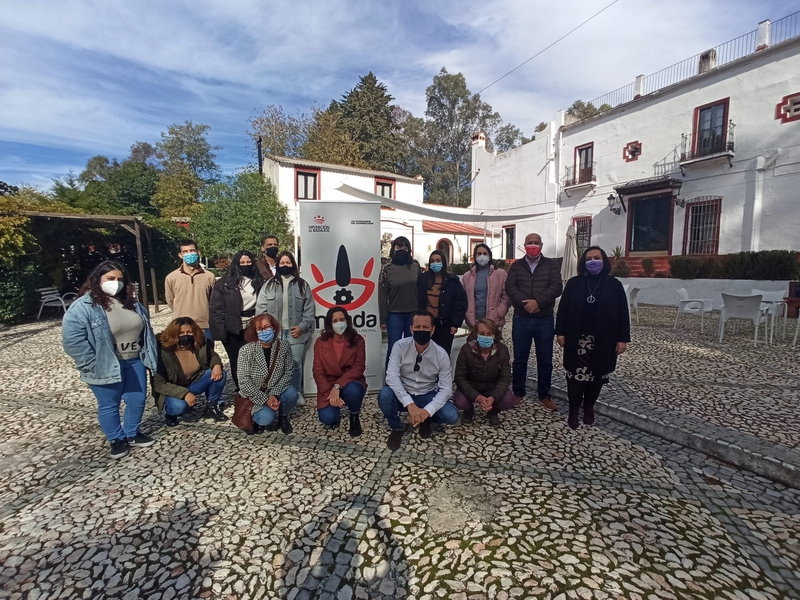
(298, 179)
(700, 158)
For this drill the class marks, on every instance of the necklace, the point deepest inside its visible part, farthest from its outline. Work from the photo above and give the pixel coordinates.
(591, 299)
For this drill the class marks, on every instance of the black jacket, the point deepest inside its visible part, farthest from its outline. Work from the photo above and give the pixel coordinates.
(613, 322)
(452, 302)
(225, 309)
(544, 286)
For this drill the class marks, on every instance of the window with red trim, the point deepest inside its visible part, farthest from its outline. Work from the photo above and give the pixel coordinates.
(384, 187)
(307, 184)
(584, 163)
(710, 128)
(583, 232)
(701, 229)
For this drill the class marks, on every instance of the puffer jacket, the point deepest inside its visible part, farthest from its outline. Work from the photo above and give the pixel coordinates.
(497, 301)
(476, 376)
(543, 285)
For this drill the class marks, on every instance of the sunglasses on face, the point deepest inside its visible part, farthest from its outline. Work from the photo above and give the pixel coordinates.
(419, 360)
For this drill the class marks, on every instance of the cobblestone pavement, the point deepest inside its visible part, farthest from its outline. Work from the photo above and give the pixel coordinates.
(529, 510)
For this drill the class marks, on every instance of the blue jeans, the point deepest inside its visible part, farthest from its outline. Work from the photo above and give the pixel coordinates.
(264, 416)
(209, 338)
(398, 326)
(540, 332)
(391, 408)
(298, 357)
(132, 389)
(204, 384)
(352, 394)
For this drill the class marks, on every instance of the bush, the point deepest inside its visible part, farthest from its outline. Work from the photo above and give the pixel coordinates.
(648, 266)
(18, 296)
(764, 265)
(621, 268)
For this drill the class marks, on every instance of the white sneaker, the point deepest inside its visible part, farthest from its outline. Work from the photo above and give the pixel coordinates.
(300, 400)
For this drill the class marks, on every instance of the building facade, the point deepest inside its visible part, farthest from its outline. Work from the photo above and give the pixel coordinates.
(707, 164)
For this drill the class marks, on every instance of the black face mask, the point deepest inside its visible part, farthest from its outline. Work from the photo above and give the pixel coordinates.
(246, 270)
(186, 340)
(422, 337)
(272, 252)
(400, 257)
(285, 271)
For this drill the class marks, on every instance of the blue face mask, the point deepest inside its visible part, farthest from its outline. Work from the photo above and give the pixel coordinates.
(266, 336)
(485, 341)
(191, 258)
(436, 267)
(594, 266)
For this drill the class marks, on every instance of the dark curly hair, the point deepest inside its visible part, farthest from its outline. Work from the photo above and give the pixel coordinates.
(350, 334)
(93, 286)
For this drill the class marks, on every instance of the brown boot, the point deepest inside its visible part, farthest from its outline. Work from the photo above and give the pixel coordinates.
(548, 403)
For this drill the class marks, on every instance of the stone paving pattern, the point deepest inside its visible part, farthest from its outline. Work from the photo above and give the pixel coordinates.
(529, 510)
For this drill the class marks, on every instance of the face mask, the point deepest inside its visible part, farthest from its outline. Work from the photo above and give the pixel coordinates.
(185, 340)
(246, 270)
(339, 327)
(272, 252)
(594, 266)
(266, 336)
(191, 258)
(436, 267)
(285, 271)
(482, 260)
(422, 337)
(533, 250)
(485, 341)
(112, 288)
(401, 257)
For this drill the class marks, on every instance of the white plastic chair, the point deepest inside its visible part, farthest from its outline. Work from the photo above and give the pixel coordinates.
(626, 286)
(796, 331)
(776, 306)
(694, 306)
(50, 297)
(633, 300)
(747, 308)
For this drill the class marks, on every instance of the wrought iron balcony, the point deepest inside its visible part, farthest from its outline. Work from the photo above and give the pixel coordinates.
(580, 176)
(708, 144)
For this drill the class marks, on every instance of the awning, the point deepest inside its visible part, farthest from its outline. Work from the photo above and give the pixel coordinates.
(653, 184)
(454, 228)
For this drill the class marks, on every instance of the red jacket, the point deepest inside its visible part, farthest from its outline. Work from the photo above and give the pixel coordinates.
(329, 370)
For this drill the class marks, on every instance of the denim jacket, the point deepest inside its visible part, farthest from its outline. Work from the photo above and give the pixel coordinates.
(86, 336)
(302, 308)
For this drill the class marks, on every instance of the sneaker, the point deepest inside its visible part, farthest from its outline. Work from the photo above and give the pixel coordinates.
(394, 440)
(425, 429)
(141, 440)
(548, 403)
(119, 448)
(171, 420)
(355, 426)
(468, 416)
(300, 400)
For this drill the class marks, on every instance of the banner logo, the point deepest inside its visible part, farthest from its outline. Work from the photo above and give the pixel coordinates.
(344, 295)
(319, 220)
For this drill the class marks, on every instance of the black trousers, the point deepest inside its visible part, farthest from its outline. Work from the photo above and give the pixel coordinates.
(232, 346)
(583, 393)
(443, 337)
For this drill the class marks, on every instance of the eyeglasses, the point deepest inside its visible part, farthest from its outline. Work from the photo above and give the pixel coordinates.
(419, 360)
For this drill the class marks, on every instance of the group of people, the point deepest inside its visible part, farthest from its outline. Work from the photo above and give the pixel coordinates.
(263, 313)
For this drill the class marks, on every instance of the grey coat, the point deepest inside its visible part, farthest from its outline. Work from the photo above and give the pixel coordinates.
(302, 308)
(253, 370)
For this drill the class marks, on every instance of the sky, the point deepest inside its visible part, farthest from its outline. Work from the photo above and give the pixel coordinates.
(87, 77)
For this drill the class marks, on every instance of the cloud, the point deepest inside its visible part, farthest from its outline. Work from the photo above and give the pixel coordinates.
(89, 77)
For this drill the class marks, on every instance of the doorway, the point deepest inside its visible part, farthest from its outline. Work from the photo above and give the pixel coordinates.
(650, 224)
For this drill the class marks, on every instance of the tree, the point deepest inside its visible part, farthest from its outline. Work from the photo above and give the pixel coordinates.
(366, 116)
(177, 193)
(133, 185)
(235, 213)
(185, 147)
(328, 142)
(143, 152)
(584, 110)
(281, 134)
(97, 169)
(6, 189)
(508, 137)
(540, 127)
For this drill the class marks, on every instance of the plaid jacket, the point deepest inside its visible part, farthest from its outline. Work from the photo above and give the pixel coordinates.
(253, 370)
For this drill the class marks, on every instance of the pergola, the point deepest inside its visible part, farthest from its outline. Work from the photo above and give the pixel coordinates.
(134, 225)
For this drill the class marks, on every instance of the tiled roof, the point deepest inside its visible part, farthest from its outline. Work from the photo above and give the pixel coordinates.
(456, 228)
(301, 162)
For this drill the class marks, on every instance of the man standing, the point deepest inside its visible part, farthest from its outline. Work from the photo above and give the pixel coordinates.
(419, 380)
(533, 284)
(266, 266)
(188, 287)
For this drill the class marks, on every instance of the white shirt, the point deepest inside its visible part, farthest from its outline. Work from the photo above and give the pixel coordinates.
(532, 265)
(434, 373)
(248, 293)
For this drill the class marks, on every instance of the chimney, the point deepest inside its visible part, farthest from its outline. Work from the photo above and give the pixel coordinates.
(708, 61)
(638, 87)
(763, 35)
(479, 139)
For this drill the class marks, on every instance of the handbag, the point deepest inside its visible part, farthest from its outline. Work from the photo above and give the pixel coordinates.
(243, 406)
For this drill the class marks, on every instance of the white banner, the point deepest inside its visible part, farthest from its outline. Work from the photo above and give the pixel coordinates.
(340, 259)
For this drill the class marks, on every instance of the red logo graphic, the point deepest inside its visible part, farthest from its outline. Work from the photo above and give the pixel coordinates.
(319, 220)
(343, 296)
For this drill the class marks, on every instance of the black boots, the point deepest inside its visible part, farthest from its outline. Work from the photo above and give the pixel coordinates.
(284, 424)
(214, 411)
(172, 420)
(355, 425)
(468, 416)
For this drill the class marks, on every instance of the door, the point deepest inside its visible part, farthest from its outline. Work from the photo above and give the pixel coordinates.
(650, 224)
(585, 160)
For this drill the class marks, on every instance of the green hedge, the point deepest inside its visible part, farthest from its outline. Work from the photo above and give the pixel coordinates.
(18, 296)
(764, 265)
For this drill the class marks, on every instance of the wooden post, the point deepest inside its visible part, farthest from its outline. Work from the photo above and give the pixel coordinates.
(148, 236)
(142, 280)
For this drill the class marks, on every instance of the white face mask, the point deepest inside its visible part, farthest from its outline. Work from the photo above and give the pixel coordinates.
(482, 260)
(112, 288)
(339, 327)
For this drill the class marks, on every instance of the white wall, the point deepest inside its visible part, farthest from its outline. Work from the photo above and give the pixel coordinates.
(662, 291)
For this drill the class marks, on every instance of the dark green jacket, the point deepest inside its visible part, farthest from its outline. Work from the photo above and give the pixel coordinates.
(164, 380)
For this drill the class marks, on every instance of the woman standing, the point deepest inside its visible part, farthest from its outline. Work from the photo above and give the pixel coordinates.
(339, 362)
(441, 294)
(593, 327)
(397, 293)
(483, 374)
(187, 367)
(232, 305)
(288, 298)
(485, 286)
(108, 335)
(265, 375)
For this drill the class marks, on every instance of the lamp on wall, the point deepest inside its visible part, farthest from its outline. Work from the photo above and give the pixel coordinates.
(676, 189)
(679, 201)
(615, 204)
